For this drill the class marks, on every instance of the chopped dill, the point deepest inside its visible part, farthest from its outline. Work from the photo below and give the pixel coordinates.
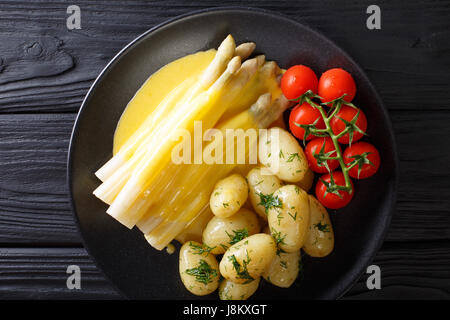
(241, 270)
(203, 273)
(269, 201)
(292, 157)
(238, 235)
(201, 249)
(322, 227)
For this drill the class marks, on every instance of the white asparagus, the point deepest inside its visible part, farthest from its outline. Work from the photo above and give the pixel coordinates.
(217, 66)
(234, 91)
(167, 230)
(224, 54)
(160, 145)
(114, 182)
(244, 50)
(174, 223)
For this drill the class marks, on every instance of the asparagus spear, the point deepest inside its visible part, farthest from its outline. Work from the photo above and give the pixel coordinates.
(244, 50)
(161, 144)
(224, 54)
(228, 96)
(166, 230)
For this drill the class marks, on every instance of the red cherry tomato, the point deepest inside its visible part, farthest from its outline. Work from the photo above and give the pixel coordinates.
(368, 165)
(331, 200)
(297, 80)
(304, 114)
(314, 147)
(334, 83)
(348, 113)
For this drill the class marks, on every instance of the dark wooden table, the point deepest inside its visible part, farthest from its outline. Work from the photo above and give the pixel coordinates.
(46, 70)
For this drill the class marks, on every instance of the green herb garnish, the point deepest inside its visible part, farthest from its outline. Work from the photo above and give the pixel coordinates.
(238, 235)
(203, 273)
(241, 270)
(200, 249)
(322, 227)
(269, 201)
(292, 157)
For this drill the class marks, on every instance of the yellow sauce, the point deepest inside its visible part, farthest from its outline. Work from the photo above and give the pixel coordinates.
(153, 91)
(161, 84)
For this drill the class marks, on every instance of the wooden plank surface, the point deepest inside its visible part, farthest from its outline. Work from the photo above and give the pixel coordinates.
(41, 273)
(46, 68)
(45, 71)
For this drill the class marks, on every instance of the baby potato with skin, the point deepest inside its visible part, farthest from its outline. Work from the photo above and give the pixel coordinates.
(222, 233)
(320, 237)
(228, 290)
(259, 182)
(199, 270)
(248, 259)
(307, 181)
(289, 217)
(280, 152)
(229, 195)
(284, 269)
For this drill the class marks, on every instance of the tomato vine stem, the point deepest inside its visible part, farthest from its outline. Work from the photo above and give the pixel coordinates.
(334, 105)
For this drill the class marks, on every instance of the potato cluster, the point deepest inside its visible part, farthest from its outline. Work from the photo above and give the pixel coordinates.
(260, 225)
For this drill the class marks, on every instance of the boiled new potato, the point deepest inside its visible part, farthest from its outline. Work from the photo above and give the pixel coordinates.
(261, 184)
(320, 237)
(199, 269)
(307, 181)
(280, 152)
(222, 233)
(229, 195)
(289, 217)
(247, 260)
(228, 290)
(284, 269)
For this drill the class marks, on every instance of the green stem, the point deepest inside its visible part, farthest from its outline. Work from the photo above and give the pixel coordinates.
(334, 138)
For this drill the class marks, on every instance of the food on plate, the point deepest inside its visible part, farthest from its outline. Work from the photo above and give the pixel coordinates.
(363, 159)
(229, 290)
(329, 114)
(331, 192)
(261, 184)
(239, 208)
(199, 269)
(352, 119)
(307, 181)
(222, 233)
(284, 269)
(335, 83)
(229, 195)
(282, 155)
(319, 240)
(318, 151)
(297, 80)
(288, 217)
(247, 259)
(303, 116)
(141, 184)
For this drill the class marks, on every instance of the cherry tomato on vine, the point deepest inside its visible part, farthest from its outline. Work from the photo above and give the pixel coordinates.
(297, 80)
(329, 199)
(349, 117)
(306, 115)
(324, 146)
(367, 158)
(334, 83)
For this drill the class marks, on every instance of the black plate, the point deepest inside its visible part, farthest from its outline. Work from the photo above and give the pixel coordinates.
(138, 270)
